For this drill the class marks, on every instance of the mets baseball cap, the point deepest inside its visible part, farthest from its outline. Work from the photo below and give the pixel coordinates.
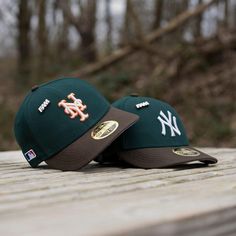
(157, 140)
(67, 123)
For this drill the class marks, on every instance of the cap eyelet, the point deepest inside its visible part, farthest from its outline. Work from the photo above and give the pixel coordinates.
(35, 87)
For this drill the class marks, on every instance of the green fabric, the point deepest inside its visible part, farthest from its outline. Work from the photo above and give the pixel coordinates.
(147, 132)
(49, 132)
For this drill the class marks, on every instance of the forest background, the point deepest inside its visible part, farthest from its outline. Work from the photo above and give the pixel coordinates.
(182, 52)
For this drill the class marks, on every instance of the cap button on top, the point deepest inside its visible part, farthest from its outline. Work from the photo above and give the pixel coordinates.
(34, 88)
(134, 95)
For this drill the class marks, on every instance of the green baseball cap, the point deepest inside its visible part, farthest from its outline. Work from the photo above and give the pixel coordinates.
(67, 123)
(157, 140)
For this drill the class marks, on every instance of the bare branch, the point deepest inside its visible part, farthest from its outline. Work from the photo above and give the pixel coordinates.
(150, 38)
(75, 21)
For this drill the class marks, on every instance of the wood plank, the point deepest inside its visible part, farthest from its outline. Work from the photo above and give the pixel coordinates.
(216, 223)
(111, 200)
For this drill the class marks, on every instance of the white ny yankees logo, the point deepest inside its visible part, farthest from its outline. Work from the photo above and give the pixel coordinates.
(167, 121)
(74, 109)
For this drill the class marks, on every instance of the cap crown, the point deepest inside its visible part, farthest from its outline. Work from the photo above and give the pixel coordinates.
(44, 126)
(158, 126)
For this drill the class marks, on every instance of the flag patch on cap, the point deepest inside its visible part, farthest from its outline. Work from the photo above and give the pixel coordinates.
(30, 155)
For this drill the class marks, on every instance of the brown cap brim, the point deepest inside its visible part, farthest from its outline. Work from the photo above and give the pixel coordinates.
(164, 157)
(86, 148)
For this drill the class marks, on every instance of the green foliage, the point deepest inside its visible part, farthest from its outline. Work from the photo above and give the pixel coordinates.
(213, 126)
(109, 84)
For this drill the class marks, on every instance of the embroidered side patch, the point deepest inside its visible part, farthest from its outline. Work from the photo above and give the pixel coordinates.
(30, 155)
(142, 104)
(43, 106)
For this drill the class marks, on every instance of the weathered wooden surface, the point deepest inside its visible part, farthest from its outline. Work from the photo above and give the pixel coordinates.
(108, 200)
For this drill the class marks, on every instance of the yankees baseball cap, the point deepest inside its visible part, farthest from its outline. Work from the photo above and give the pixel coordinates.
(67, 123)
(157, 140)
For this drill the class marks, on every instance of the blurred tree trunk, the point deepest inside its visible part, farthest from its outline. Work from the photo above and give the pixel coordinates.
(150, 38)
(23, 41)
(85, 25)
(63, 40)
(61, 43)
(226, 14)
(234, 17)
(87, 32)
(198, 31)
(108, 18)
(132, 27)
(42, 35)
(180, 7)
(126, 34)
(158, 13)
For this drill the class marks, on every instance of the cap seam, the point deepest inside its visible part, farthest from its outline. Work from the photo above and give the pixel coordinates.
(62, 78)
(53, 81)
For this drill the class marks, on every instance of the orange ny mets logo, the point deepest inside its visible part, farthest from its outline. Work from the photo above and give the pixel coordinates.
(74, 109)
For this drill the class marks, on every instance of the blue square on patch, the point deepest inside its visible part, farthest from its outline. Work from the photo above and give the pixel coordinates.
(30, 155)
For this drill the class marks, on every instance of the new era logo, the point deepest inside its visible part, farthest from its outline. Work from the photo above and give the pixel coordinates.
(170, 122)
(30, 155)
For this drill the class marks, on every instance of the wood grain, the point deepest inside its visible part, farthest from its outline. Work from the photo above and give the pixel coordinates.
(111, 200)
